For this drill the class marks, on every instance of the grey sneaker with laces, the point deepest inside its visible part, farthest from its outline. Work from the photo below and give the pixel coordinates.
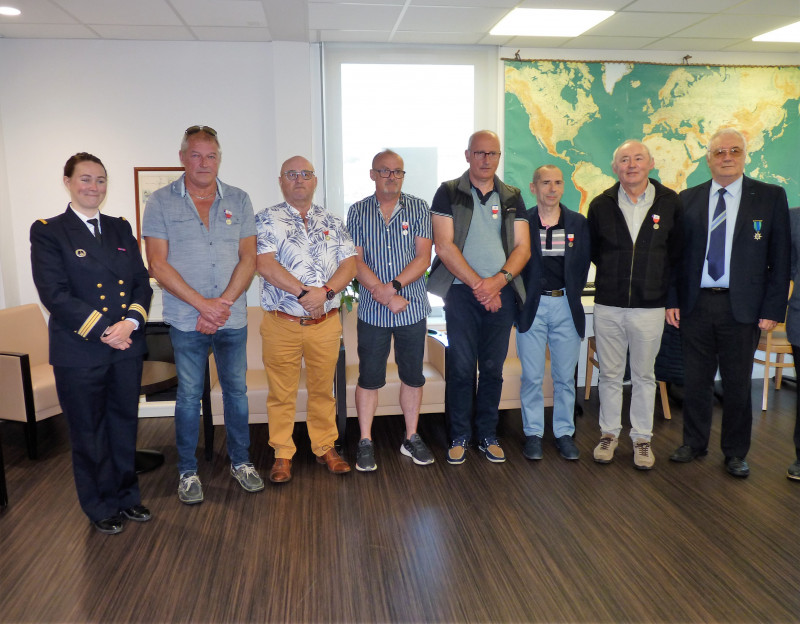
(417, 450)
(365, 456)
(247, 477)
(190, 491)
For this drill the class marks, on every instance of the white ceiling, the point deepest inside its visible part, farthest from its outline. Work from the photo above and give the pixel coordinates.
(638, 24)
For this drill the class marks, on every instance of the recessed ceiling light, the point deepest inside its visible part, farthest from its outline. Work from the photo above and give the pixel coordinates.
(548, 22)
(11, 11)
(790, 33)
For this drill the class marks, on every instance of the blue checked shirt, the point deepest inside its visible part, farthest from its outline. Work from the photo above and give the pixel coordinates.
(387, 251)
(311, 256)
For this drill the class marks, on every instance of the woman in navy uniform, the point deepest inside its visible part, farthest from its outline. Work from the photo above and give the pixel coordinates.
(90, 276)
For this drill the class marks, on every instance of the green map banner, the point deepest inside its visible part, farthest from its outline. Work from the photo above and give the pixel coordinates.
(574, 114)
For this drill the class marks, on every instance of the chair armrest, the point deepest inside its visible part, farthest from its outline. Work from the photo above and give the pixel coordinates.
(437, 352)
(16, 387)
(212, 370)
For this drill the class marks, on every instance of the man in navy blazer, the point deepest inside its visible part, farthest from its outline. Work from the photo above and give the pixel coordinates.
(554, 280)
(730, 289)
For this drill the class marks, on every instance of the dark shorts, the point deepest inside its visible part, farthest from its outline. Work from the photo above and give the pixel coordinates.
(373, 352)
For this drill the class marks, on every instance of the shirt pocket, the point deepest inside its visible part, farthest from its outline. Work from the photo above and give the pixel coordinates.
(183, 225)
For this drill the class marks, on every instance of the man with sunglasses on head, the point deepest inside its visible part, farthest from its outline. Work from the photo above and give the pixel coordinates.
(306, 257)
(392, 234)
(482, 243)
(733, 285)
(200, 240)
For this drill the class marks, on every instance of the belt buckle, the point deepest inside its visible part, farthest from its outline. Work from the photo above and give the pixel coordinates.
(303, 320)
(557, 293)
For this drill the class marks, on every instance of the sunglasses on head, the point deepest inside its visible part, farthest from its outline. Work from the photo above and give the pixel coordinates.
(195, 129)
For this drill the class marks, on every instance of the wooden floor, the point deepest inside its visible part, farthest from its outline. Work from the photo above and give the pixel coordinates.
(548, 541)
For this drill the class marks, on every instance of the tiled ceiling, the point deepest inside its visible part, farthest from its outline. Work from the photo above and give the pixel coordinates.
(637, 25)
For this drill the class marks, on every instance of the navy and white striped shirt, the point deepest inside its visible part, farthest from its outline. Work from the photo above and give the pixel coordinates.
(387, 251)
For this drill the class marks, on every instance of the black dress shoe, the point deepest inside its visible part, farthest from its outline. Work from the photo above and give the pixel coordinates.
(109, 526)
(737, 466)
(686, 453)
(137, 513)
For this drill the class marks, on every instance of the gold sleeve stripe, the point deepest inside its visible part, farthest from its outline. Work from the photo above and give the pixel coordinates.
(135, 307)
(89, 324)
(43, 221)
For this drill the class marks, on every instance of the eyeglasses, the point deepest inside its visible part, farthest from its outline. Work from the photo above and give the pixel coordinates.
(293, 175)
(195, 129)
(735, 152)
(489, 155)
(387, 173)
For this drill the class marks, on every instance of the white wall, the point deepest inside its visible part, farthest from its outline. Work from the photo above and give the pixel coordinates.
(128, 103)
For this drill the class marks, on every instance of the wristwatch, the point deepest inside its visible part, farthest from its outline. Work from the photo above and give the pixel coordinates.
(330, 293)
(507, 275)
(397, 285)
(302, 294)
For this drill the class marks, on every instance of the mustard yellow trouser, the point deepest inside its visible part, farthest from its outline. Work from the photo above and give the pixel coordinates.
(285, 344)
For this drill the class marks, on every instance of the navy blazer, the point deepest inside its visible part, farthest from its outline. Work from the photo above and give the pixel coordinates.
(759, 264)
(87, 286)
(577, 259)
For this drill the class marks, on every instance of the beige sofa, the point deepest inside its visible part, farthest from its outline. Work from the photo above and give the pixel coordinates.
(27, 383)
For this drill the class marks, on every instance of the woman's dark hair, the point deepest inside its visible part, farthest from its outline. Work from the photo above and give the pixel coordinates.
(80, 157)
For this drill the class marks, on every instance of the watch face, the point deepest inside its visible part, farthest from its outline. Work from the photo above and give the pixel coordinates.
(330, 294)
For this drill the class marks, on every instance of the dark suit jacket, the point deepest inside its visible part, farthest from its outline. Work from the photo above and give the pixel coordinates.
(576, 268)
(88, 286)
(759, 267)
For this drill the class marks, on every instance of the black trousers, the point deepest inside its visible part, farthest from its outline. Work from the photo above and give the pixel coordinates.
(101, 404)
(712, 338)
(796, 356)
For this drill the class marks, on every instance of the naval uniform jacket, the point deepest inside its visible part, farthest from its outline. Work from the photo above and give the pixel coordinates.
(89, 285)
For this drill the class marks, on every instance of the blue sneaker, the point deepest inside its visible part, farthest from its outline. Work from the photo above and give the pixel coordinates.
(566, 446)
(457, 453)
(491, 448)
(533, 447)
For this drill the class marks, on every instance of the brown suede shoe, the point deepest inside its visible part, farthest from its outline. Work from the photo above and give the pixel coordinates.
(281, 470)
(335, 463)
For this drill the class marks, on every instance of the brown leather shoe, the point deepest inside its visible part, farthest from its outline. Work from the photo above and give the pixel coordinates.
(281, 470)
(335, 463)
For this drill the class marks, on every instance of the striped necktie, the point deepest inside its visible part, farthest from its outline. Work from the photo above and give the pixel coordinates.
(716, 243)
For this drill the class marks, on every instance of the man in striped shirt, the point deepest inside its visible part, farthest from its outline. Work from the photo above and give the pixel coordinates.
(392, 234)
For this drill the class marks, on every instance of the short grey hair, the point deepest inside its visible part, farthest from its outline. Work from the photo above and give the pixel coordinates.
(723, 131)
(201, 133)
(624, 143)
(538, 173)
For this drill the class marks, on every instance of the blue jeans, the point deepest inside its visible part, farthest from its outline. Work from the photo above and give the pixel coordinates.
(191, 353)
(475, 336)
(552, 325)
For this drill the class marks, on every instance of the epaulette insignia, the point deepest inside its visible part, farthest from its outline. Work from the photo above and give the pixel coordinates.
(122, 218)
(43, 221)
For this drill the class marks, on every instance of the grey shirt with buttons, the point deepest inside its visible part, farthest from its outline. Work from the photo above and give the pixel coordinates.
(204, 258)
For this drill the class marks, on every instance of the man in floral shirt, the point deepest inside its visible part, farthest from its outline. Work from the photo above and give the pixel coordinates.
(306, 257)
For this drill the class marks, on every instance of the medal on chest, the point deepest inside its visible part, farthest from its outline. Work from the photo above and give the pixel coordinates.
(495, 211)
(228, 217)
(405, 228)
(656, 219)
(571, 239)
(327, 234)
(757, 228)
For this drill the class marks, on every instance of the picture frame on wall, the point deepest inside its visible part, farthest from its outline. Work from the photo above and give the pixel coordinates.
(147, 180)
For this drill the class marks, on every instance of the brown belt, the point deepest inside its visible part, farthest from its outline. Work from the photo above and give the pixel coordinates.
(303, 320)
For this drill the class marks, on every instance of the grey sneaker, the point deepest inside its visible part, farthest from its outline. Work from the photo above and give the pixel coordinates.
(365, 456)
(416, 449)
(190, 491)
(247, 477)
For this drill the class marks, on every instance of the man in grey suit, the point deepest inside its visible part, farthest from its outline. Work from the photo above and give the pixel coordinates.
(733, 284)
